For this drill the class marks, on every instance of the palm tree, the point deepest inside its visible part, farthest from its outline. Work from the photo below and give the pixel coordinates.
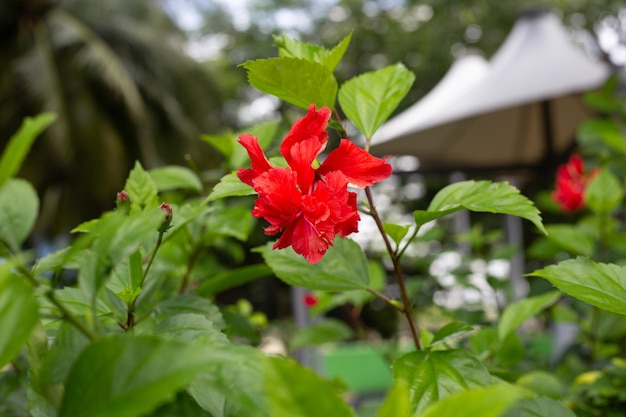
(116, 74)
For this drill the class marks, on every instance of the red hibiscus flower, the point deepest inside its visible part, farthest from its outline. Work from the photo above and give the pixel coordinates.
(571, 181)
(310, 205)
(310, 300)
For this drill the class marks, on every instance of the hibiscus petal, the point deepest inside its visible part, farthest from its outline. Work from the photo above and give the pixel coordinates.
(301, 159)
(359, 166)
(260, 163)
(279, 200)
(305, 240)
(313, 125)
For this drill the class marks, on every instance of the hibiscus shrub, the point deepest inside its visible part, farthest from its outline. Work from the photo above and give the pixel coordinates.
(123, 322)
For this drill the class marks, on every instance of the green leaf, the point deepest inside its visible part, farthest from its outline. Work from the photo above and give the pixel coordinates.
(605, 130)
(18, 146)
(598, 284)
(141, 189)
(369, 99)
(486, 402)
(396, 402)
(332, 273)
(191, 326)
(225, 144)
(571, 238)
(435, 375)
(295, 391)
(514, 315)
(229, 186)
(450, 331)
(396, 232)
(482, 196)
(19, 206)
(543, 383)
(235, 221)
(232, 278)
(603, 193)
(288, 47)
(134, 375)
(18, 314)
(538, 407)
(328, 330)
(241, 367)
(175, 177)
(296, 81)
(192, 304)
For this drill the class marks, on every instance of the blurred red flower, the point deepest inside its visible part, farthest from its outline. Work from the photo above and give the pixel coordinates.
(310, 300)
(571, 181)
(311, 206)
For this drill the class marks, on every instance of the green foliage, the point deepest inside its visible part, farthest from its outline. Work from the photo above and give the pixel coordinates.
(515, 314)
(485, 402)
(332, 273)
(175, 177)
(19, 207)
(450, 331)
(604, 192)
(532, 407)
(601, 285)
(294, 80)
(396, 402)
(369, 99)
(328, 330)
(288, 47)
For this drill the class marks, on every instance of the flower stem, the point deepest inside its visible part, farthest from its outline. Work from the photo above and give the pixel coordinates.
(397, 272)
(130, 316)
(386, 299)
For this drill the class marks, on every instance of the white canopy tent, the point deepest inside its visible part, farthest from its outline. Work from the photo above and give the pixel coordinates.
(519, 111)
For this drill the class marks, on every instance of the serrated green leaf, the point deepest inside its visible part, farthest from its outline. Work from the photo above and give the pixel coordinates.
(604, 192)
(288, 47)
(229, 186)
(135, 375)
(191, 326)
(450, 331)
(19, 207)
(369, 99)
(396, 403)
(294, 391)
(538, 407)
(334, 56)
(18, 146)
(192, 304)
(236, 221)
(515, 314)
(332, 273)
(487, 402)
(571, 238)
(18, 314)
(396, 232)
(175, 177)
(296, 81)
(483, 196)
(325, 331)
(601, 285)
(141, 189)
(435, 375)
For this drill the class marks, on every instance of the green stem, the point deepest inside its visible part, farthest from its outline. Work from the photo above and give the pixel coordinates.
(130, 316)
(386, 299)
(408, 312)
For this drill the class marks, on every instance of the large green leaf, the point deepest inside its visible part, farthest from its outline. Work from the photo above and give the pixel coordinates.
(124, 376)
(396, 403)
(450, 331)
(235, 221)
(19, 206)
(296, 81)
(229, 186)
(605, 130)
(344, 267)
(294, 391)
(480, 196)
(232, 277)
(20, 143)
(601, 285)
(141, 189)
(288, 47)
(369, 99)
(571, 238)
(604, 192)
(18, 314)
(175, 177)
(538, 407)
(434, 375)
(487, 402)
(192, 304)
(516, 314)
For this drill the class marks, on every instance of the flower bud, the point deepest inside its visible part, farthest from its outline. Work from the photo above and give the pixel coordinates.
(123, 201)
(168, 217)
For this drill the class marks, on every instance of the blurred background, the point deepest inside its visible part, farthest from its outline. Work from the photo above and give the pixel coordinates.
(143, 79)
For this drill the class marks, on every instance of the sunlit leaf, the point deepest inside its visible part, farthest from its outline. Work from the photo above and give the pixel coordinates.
(175, 177)
(538, 407)
(487, 402)
(515, 314)
(19, 207)
(141, 189)
(604, 192)
(450, 331)
(229, 186)
(369, 99)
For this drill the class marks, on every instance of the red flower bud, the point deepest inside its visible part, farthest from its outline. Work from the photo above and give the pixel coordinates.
(123, 201)
(168, 217)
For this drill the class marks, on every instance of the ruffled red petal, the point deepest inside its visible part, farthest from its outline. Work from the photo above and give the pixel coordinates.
(359, 166)
(313, 125)
(260, 163)
(279, 200)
